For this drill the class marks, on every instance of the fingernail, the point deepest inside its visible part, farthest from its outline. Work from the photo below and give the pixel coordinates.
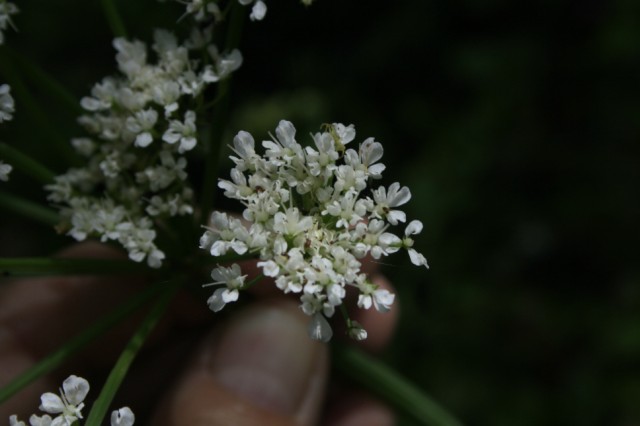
(266, 357)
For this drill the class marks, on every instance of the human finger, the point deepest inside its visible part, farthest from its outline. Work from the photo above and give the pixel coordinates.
(261, 369)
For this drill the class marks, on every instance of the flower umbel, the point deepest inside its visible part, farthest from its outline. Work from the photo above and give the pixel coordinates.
(313, 215)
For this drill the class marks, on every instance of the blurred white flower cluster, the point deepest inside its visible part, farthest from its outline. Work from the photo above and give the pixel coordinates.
(207, 10)
(6, 10)
(7, 107)
(68, 407)
(313, 214)
(141, 123)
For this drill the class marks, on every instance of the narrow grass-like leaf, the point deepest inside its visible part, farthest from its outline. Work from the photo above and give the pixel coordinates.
(25, 164)
(28, 209)
(213, 146)
(66, 350)
(379, 379)
(120, 369)
(113, 18)
(34, 266)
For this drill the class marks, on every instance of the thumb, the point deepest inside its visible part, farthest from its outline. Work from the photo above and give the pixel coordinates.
(261, 369)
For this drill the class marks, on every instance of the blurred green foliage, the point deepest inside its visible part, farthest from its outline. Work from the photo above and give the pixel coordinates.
(517, 128)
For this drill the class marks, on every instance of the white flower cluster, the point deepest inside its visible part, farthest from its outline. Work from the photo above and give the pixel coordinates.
(68, 407)
(313, 215)
(6, 10)
(141, 125)
(204, 10)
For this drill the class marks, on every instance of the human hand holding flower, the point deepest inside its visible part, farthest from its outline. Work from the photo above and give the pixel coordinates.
(259, 367)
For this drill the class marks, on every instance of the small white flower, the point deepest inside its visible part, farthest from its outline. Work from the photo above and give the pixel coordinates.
(232, 279)
(69, 404)
(142, 124)
(184, 132)
(413, 228)
(355, 330)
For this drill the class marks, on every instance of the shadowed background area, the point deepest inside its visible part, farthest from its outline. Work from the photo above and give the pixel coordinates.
(517, 128)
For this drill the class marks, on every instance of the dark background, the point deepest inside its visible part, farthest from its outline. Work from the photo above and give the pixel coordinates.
(517, 127)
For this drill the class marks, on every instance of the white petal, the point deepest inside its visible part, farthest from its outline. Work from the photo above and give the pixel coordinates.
(75, 389)
(376, 170)
(122, 417)
(382, 300)
(395, 216)
(216, 301)
(259, 11)
(399, 197)
(319, 328)
(230, 295)
(286, 133)
(388, 239)
(364, 301)
(143, 139)
(40, 421)
(187, 144)
(269, 268)
(417, 258)
(244, 143)
(414, 227)
(51, 403)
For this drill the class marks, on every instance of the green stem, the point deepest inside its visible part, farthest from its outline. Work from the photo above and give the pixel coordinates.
(26, 164)
(34, 266)
(113, 18)
(53, 360)
(28, 209)
(119, 371)
(380, 379)
(213, 146)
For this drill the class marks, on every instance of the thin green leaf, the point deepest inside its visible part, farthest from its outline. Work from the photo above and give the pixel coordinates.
(71, 347)
(387, 384)
(34, 266)
(28, 208)
(26, 164)
(213, 146)
(113, 18)
(120, 369)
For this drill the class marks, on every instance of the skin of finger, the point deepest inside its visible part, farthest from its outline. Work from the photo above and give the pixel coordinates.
(38, 315)
(352, 407)
(379, 325)
(14, 358)
(44, 312)
(199, 398)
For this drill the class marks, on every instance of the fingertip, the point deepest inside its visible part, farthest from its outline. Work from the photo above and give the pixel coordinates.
(358, 409)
